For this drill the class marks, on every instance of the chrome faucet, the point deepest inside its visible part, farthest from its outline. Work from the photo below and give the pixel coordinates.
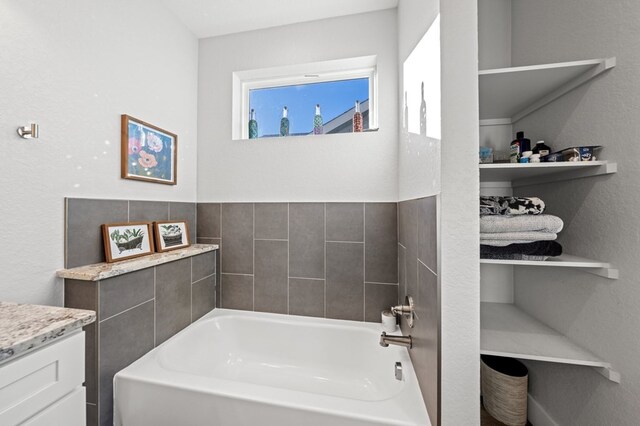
(407, 310)
(386, 340)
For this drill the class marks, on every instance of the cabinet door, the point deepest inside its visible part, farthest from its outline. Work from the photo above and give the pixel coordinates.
(69, 411)
(38, 379)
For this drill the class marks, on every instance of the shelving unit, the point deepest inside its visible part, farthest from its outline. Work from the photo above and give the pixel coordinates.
(603, 269)
(508, 331)
(509, 94)
(539, 173)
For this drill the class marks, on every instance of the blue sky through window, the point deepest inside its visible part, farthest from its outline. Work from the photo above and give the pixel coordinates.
(334, 97)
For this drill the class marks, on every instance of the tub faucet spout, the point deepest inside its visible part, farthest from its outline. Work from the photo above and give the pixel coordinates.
(386, 340)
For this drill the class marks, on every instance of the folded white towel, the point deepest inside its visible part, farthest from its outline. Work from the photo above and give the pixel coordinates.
(523, 223)
(503, 243)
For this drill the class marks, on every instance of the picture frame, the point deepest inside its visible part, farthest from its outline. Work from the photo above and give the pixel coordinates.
(124, 241)
(171, 235)
(148, 153)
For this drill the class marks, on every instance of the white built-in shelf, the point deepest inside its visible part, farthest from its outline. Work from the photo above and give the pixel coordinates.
(509, 94)
(539, 173)
(603, 269)
(508, 331)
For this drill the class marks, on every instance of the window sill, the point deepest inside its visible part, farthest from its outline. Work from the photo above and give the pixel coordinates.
(305, 137)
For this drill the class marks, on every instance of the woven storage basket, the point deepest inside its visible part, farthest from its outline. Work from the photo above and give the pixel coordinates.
(504, 389)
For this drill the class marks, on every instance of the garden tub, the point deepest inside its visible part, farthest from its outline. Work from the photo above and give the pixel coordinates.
(247, 368)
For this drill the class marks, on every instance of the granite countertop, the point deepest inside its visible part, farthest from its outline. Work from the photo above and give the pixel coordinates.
(27, 327)
(101, 271)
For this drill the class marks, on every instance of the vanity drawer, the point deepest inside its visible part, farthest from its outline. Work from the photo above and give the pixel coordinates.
(39, 378)
(69, 411)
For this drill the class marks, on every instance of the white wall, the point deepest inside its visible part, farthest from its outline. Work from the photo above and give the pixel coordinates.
(73, 66)
(346, 167)
(600, 214)
(459, 254)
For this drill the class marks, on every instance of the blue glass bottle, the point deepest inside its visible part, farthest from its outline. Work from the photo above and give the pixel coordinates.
(284, 122)
(253, 125)
(317, 122)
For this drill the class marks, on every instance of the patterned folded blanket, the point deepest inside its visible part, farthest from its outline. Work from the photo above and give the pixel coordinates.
(523, 223)
(538, 248)
(511, 206)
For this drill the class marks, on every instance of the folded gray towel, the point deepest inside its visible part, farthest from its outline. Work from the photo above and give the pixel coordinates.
(503, 243)
(528, 236)
(523, 223)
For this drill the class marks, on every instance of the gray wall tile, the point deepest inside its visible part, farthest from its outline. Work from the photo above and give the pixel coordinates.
(237, 292)
(203, 265)
(345, 281)
(203, 295)
(173, 298)
(91, 368)
(345, 222)
(271, 280)
(84, 236)
(237, 234)
(425, 352)
(92, 415)
(81, 294)
(427, 232)
(208, 220)
(125, 291)
(381, 238)
(148, 211)
(272, 221)
(306, 297)
(306, 240)
(185, 211)
(378, 297)
(217, 241)
(123, 339)
(402, 272)
(408, 225)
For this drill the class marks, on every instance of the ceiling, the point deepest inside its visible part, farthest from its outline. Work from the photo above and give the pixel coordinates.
(209, 18)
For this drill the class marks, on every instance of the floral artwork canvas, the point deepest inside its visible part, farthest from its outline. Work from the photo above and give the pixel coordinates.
(149, 153)
(127, 240)
(171, 235)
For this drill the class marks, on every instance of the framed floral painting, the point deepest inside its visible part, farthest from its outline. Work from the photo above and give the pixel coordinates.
(171, 235)
(127, 240)
(149, 153)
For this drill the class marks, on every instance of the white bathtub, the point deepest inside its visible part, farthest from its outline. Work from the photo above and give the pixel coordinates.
(247, 368)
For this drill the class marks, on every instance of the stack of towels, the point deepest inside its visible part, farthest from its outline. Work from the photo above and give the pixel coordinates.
(516, 228)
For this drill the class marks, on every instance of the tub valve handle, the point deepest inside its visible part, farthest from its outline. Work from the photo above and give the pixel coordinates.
(407, 310)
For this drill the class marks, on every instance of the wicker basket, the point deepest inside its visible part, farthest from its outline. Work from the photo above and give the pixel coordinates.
(504, 389)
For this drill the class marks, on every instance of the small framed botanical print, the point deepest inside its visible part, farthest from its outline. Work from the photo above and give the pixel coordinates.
(148, 152)
(171, 235)
(127, 240)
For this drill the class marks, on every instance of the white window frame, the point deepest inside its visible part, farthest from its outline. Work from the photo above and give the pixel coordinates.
(317, 72)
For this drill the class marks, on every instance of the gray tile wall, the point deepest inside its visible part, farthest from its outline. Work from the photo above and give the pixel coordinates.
(333, 260)
(135, 313)
(418, 277)
(83, 217)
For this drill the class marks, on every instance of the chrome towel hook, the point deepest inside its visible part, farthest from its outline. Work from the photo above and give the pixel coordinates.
(28, 132)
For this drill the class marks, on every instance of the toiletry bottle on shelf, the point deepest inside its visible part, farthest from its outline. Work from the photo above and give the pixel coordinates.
(317, 121)
(518, 146)
(284, 122)
(357, 119)
(253, 125)
(541, 149)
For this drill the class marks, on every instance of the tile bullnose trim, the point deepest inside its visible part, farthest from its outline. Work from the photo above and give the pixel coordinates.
(101, 271)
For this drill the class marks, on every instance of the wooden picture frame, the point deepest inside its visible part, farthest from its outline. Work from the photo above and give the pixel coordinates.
(127, 240)
(148, 153)
(171, 235)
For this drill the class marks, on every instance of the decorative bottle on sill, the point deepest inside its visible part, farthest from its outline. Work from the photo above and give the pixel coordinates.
(317, 122)
(253, 125)
(284, 123)
(357, 118)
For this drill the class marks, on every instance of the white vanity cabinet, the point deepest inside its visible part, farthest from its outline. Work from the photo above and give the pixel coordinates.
(43, 387)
